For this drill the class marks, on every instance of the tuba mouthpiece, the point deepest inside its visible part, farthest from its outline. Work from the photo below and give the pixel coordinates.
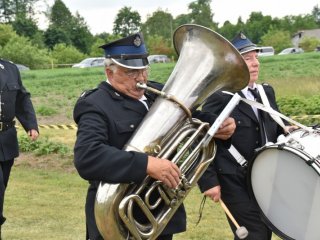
(141, 85)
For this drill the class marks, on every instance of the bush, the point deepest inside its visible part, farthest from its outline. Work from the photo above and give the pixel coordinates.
(308, 44)
(42, 147)
(64, 54)
(20, 50)
(297, 105)
(6, 33)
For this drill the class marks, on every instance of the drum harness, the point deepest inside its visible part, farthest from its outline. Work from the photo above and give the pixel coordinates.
(276, 116)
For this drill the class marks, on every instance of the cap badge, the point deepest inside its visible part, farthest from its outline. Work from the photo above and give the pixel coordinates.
(242, 36)
(137, 41)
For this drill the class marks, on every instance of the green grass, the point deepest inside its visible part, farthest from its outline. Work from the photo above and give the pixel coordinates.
(49, 205)
(45, 198)
(44, 205)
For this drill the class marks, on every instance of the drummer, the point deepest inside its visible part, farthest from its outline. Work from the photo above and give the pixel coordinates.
(226, 178)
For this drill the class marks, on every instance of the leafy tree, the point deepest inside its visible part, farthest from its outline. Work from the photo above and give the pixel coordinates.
(66, 54)
(181, 19)
(158, 45)
(10, 9)
(304, 22)
(201, 13)
(68, 29)
(25, 26)
(127, 22)
(20, 50)
(277, 38)
(59, 28)
(6, 11)
(55, 35)
(96, 51)
(228, 30)
(295, 23)
(159, 24)
(6, 33)
(60, 16)
(316, 14)
(80, 35)
(257, 25)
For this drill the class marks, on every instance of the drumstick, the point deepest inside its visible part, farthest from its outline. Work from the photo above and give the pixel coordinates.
(241, 232)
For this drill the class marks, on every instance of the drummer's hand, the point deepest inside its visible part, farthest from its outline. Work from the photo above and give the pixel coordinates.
(164, 170)
(226, 129)
(289, 129)
(214, 193)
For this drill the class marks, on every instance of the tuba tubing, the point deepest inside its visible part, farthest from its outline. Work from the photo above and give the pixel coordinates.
(207, 63)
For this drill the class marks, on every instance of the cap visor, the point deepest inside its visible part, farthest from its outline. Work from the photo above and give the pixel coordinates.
(249, 49)
(140, 63)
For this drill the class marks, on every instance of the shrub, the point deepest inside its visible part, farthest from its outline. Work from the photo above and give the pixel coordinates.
(66, 54)
(42, 147)
(308, 44)
(20, 50)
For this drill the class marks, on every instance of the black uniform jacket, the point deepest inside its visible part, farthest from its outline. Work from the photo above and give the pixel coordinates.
(245, 139)
(106, 120)
(15, 102)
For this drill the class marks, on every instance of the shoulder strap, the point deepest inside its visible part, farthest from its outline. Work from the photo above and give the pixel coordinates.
(237, 156)
(265, 101)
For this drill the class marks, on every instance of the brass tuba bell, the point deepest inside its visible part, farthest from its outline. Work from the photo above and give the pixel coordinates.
(207, 63)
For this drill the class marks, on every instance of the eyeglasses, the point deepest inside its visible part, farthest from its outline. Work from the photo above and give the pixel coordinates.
(134, 73)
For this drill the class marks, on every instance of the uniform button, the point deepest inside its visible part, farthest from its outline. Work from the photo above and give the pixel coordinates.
(239, 122)
(117, 94)
(257, 142)
(131, 126)
(257, 128)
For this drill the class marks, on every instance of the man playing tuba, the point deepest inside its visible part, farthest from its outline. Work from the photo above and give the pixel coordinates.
(108, 115)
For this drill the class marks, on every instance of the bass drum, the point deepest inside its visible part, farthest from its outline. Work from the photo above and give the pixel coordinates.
(284, 180)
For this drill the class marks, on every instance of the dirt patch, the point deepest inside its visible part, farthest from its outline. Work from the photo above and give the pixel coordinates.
(47, 162)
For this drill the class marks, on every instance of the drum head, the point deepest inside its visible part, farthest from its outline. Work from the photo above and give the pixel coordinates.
(287, 190)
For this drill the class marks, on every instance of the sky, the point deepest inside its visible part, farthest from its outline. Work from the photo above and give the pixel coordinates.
(100, 14)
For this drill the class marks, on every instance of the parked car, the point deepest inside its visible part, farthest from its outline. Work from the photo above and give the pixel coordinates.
(291, 51)
(90, 62)
(158, 59)
(266, 51)
(317, 49)
(22, 67)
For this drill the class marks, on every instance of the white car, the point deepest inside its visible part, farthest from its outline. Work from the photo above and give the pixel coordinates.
(158, 59)
(266, 51)
(291, 51)
(90, 62)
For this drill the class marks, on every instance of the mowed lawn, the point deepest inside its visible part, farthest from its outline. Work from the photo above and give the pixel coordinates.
(45, 197)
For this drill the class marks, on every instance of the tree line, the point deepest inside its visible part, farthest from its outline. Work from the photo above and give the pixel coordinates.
(68, 38)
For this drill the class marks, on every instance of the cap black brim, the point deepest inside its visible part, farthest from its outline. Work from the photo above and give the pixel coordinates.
(249, 49)
(138, 63)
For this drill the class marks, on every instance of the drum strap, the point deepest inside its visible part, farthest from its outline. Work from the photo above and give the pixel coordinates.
(237, 156)
(265, 102)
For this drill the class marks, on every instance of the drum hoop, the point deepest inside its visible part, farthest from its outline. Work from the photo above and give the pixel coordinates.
(301, 154)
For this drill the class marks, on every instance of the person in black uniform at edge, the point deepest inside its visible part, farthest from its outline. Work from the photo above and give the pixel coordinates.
(225, 178)
(15, 102)
(108, 115)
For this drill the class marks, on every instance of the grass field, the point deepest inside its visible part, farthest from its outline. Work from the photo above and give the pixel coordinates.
(45, 198)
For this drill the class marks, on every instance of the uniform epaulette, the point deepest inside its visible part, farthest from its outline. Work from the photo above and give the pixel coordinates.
(7, 61)
(87, 92)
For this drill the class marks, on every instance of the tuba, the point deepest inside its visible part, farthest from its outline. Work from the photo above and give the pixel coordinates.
(207, 63)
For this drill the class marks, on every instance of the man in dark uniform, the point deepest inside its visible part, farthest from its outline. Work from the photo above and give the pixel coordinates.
(226, 178)
(107, 117)
(14, 102)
